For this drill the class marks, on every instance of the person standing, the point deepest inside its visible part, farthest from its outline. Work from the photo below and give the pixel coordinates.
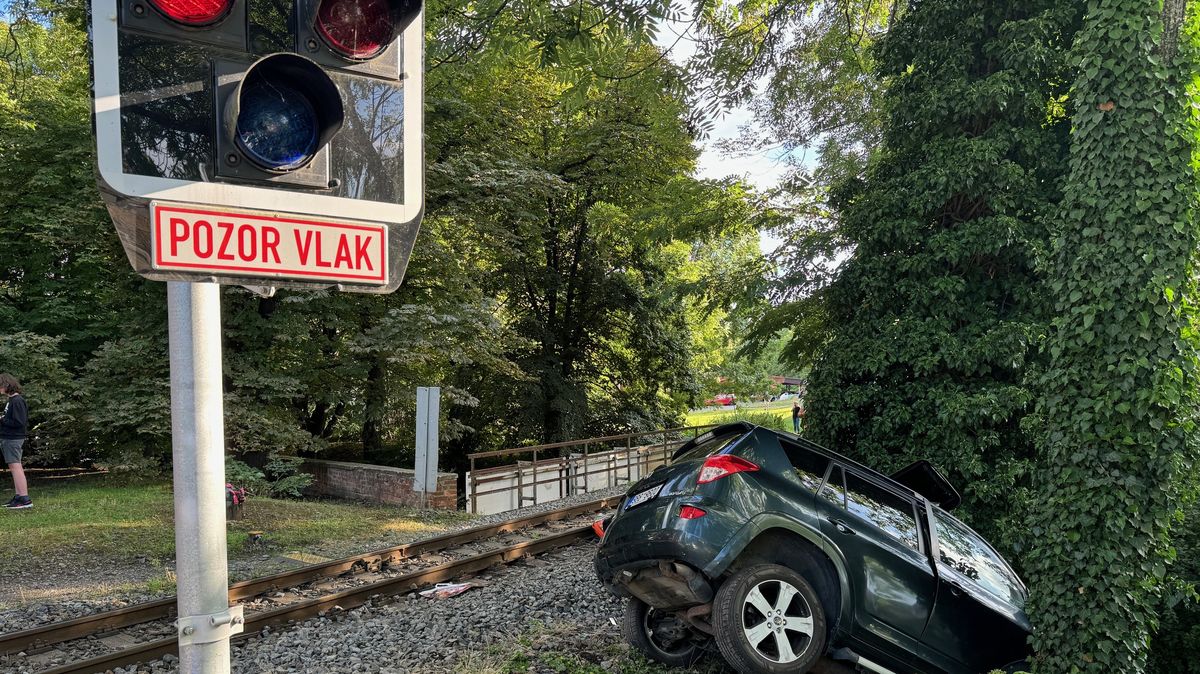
(796, 414)
(14, 425)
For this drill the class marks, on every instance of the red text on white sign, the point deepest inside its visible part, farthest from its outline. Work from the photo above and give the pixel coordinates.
(272, 245)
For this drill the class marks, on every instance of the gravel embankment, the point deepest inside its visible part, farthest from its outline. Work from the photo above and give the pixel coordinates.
(555, 597)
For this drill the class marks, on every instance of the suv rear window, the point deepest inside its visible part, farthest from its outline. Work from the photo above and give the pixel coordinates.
(810, 466)
(709, 446)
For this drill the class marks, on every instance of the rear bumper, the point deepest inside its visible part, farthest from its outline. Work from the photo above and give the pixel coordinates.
(629, 553)
(652, 554)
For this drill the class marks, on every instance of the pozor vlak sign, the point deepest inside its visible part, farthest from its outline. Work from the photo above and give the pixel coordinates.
(188, 239)
(272, 143)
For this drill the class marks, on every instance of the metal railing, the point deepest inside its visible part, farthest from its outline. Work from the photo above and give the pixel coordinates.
(568, 467)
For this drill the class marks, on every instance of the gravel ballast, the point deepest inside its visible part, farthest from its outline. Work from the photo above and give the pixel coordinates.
(555, 596)
(431, 634)
(120, 585)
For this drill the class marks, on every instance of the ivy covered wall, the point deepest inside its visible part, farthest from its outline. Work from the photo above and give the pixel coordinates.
(1117, 403)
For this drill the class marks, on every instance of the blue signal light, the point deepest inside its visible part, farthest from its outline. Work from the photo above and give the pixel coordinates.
(277, 126)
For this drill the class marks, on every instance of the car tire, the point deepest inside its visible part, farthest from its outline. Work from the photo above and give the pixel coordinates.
(769, 620)
(663, 638)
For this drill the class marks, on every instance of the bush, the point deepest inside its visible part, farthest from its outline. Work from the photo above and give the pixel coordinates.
(280, 477)
(127, 383)
(37, 362)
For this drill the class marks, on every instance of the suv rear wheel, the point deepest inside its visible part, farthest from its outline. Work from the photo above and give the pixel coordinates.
(768, 620)
(662, 637)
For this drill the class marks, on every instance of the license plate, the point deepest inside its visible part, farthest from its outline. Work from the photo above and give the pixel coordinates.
(641, 497)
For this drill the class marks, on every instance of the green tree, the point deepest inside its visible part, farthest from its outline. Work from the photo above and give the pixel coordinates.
(577, 194)
(933, 318)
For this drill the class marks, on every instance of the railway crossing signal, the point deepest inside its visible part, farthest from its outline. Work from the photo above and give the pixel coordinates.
(267, 143)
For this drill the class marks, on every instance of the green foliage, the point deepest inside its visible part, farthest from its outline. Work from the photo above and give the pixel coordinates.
(281, 477)
(816, 57)
(125, 389)
(60, 265)
(540, 295)
(932, 320)
(581, 200)
(1174, 647)
(285, 477)
(37, 362)
(245, 476)
(1116, 408)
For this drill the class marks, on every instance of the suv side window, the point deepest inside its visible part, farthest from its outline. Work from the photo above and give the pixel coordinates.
(835, 488)
(810, 466)
(890, 512)
(963, 551)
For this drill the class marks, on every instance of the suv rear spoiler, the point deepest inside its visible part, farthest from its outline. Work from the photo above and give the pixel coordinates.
(726, 429)
(924, 479)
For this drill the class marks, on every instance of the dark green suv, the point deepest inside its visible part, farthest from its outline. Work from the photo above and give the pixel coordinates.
(781, 552)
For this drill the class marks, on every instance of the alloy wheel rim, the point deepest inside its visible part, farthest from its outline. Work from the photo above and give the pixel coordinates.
(777, 621)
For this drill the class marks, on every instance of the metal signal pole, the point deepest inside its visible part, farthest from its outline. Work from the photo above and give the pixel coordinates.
(205, 620)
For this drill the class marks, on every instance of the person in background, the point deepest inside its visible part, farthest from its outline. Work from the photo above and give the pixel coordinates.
(797, 412)
(13, 427)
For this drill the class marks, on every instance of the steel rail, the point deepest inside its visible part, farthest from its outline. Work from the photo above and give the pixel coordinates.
(58, 632)
(346, 599)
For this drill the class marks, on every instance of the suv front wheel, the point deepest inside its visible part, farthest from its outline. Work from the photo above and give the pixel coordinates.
(769, 620)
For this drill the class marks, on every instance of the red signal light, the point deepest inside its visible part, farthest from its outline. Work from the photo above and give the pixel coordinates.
(688, 512)
(357, 29)
(723, 465)
(193, 12)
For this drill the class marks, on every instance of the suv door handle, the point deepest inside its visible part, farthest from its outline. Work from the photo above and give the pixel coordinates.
(841, 526)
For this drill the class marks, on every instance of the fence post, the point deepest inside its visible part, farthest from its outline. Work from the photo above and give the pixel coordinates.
(521, 485)
(535, 479)
(474, 489)
(629, 450)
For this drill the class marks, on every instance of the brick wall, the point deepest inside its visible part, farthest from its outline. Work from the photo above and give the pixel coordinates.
(379, 484)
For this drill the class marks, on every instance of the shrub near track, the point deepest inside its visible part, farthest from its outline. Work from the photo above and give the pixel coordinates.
(1117, 405)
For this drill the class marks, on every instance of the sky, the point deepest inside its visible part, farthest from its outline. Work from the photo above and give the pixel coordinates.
(759, 170)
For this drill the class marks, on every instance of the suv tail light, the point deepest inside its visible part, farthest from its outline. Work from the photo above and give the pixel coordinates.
(722, 465)
(688, 512)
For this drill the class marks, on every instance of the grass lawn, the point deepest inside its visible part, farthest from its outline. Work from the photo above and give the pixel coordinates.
(781, 410)
(106, 518)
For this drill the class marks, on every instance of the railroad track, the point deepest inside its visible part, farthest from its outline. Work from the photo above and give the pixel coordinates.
(299, 594)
